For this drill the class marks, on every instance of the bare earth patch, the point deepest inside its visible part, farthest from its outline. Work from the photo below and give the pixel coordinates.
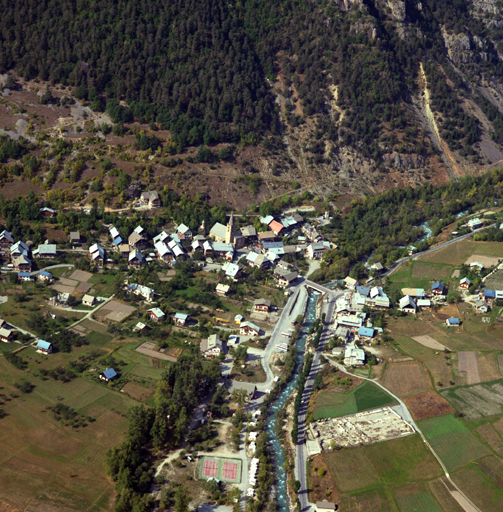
(83, 287)
(81, 275)
(63, 289)
(406, 379)
(68, 282)
(427, 405)
(467, 363)
(428, 341)
(487, 261)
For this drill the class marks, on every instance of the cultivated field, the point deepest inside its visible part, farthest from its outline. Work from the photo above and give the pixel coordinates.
(477, 401)
(452, 441)
(427, 405)
(421, 502)
(428, 341)
(405, 379)
(495, 280)
(491, 436)
(457, 254)
(115, 311)
(433, 271)
(467, 364)
(333, 403)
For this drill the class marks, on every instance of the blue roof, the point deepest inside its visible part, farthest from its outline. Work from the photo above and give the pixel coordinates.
(43, 344)
(24, 274)
(363, 290)
(110, 373)
(366, 331)
(438, 286)
(454, 321)
(181, 316)
(117, 240)
(45, 273)
(490, 293)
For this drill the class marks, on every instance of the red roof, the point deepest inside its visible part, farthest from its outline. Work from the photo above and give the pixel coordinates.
(275, 226)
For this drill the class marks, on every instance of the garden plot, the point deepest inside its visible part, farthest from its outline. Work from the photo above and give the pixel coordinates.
(115, 311)
(467, 364)
(427, 405)
(428, 341)
(81, 275)
(478, 401)
(405, 379)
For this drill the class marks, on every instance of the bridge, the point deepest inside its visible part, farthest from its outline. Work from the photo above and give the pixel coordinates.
(317, 287)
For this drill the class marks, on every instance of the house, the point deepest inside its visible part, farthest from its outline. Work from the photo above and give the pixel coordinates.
(22, 264)
(74, 238)
(19, 249)
(489, 295)
(465, 283)
(315, 250)
(276, 227)
(44, 347)
(143, 291)
(231, 270)
(163, 251)
(238, 319)
(258, 260)
(221, 249)
(477, 266)
(417, 293)
(249, 329)
(354, 356)
(482, 307)
(135, 258)
(45, 251)
(140, 327)
(137, 240)
(249, 233)
(212, 346)
(325, 506)
(366, 332)
(261, 306)
(183, 232)
(155, 314)
(88, 300)
(424, 303)
(475, 223)
(453, 322)
(47, 212)
(176, 249)
(25, 276)
(116, 237)
(45, 276)
(5, 334)
(378, 267)
(222, 289)
(285, 277)
(108, 375)
(97, 254)
(151, 198)
(161, 237)
(350, 283)
(266, 236)
(407, 304)
(363, 290)
(269, 246)
(6, 240)
(438, 289)
(124, 250)
(181, 318)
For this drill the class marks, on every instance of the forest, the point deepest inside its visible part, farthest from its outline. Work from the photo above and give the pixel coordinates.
(203, 70)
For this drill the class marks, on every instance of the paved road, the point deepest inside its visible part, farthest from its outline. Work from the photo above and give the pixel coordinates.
(397, 263)
(89, 313)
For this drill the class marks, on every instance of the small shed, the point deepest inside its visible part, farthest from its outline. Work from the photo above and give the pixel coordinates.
(108, 375)
(453, 322)
(88, 300)
(180, 318)
(44, 347)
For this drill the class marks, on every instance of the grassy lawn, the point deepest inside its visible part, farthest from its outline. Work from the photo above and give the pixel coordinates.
(421, 502)
(453, 441)
(332, 404)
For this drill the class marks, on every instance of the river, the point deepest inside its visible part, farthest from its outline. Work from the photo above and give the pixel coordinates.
(279, 458)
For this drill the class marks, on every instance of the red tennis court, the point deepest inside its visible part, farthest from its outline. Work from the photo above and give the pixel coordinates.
(210, 468)
(230, 470)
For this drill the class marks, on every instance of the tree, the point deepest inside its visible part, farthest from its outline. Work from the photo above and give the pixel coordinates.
(182, 499)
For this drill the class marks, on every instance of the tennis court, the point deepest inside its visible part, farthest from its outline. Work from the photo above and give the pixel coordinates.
(227, 470)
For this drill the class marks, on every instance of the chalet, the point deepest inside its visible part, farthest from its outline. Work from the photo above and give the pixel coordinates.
(140, 327)
(25, 276)
(135, 258)
(124, 250)
(438, 289)
(88, 300)
(176, 249)
(45, 276)
(266, 236)
(208, 248)
(258, 260)
(475, 223)
(6, 240)
(47, 212)
(261, 306)
(465, 283)
(108, 375)
(155, 314)
(44, 347)
(142, 291)
(285, 277)
(74, 238)
(325, 506)
(5, 334)
(453, 322)
(231, 270)
(181, 318)
(276, 227)
(489, 295)
(315, 250)
(249, 233)
(151, 198)
(366, 333)
(22, 264)
(137, 240)
(350, 283)
(354, 356)
(212, 346)
(163, 251)
(97, 254)
(162, 237)
(183, 232)
(249, 329)
(45, 251)
(19, 249)
(222, 250)
(408, 305)
(222, 289)
(197, 245)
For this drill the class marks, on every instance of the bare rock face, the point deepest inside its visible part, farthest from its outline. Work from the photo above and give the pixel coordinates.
(397, 9)
(489, 11)
(345, 5)
(459, 47)
(404, 160)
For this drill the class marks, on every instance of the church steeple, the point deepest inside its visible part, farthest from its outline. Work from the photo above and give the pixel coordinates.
(229, 232)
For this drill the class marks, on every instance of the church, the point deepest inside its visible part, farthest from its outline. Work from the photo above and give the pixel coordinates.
(227, 234)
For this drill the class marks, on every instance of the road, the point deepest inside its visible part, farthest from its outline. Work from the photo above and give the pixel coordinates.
(397, 263)
(406, 415)
(89, 313)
